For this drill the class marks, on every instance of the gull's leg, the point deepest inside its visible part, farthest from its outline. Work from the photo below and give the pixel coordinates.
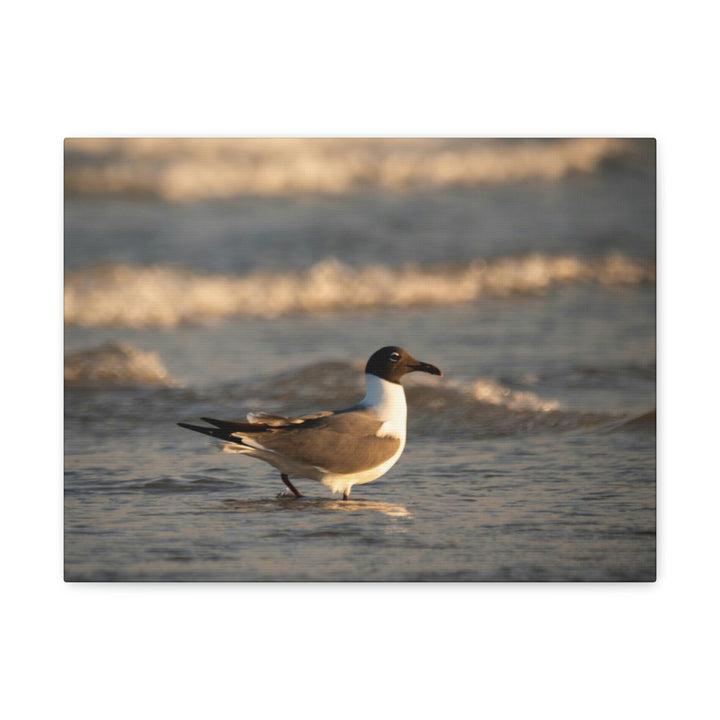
(294, 490)
(346, 495)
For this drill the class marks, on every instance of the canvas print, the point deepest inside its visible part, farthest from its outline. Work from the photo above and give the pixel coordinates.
(360, 360)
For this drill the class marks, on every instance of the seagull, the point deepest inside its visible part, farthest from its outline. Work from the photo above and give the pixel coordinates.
(338, 448)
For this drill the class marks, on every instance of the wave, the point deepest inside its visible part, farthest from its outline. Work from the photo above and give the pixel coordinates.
(469, 408)
(115, 364)
(121, 364)
(484, 407)
(318, 384)
(165, 296)
(452, 407)
(186, 170)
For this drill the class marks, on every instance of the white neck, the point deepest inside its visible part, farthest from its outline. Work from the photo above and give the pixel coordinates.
(387, 400)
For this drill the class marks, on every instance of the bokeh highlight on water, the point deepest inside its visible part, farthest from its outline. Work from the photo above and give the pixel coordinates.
(263, 281)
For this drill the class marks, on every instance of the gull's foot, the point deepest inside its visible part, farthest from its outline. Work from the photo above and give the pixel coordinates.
(287, 482)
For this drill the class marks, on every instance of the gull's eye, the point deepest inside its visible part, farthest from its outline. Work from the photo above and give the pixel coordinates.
(394, 357)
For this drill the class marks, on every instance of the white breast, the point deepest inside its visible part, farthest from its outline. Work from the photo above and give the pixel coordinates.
(387, 400)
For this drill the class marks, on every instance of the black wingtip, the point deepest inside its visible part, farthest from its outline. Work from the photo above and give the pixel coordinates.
(216, 423)
(219, 433)
(198, 428)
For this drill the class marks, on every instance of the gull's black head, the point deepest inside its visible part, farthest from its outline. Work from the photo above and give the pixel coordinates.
(391, 363)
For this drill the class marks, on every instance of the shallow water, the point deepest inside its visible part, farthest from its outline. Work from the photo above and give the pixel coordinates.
(546, 508)
(533, 458)
(532, 473)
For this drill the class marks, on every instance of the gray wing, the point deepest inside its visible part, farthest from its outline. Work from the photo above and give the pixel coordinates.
(344, 442)
(271, 420)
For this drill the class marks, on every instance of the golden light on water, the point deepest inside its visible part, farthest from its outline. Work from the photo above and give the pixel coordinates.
(286, 502)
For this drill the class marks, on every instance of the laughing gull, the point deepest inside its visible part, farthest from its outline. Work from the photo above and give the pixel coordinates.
(338, 448)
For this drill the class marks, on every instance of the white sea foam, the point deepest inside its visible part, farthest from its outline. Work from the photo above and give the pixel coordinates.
(493, 393)
(483, 391)
(162, 296)
(115, 364)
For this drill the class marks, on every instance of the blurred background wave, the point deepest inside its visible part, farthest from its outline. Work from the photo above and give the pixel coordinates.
(187, 170)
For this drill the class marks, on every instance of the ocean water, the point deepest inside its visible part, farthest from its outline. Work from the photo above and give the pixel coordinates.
(524, 270)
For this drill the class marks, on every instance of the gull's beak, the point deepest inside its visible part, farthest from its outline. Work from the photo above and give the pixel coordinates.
(425, 367)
